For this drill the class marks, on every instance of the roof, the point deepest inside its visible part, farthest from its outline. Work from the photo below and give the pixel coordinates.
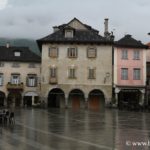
(7, 54)
(128, 41)
(85, 35)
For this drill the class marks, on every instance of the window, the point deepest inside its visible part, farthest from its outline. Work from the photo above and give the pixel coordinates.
(16, 65)
(32, 80)
(72, 73)
(1, 79)
(69, 33)
(92, 73)
(1, 64)
(124, 54)
(15, 79)
(136, 74)
(32, 65)
(17, 53)
(53, 52)
(53, 72)
(136, 54)
(72, 52)
(124, 74)
(91, 52)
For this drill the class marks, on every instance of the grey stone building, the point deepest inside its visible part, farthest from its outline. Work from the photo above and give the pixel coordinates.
(76, 66)
(19, 76)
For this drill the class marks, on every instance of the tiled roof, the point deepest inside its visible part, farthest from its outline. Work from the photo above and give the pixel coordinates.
(89, 35)
(128, 41)
(7, 54)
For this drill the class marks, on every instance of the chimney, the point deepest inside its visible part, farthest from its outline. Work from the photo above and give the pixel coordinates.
(106, 33)
(106, 25)
(7, 45)
(55, 28)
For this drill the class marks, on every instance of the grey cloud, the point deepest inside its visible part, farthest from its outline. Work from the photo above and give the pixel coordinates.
(35, 18)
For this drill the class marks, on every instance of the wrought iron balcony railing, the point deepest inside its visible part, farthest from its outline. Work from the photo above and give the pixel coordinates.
(11, 86)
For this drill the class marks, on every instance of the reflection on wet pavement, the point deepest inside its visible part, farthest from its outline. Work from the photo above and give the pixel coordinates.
(60, 129)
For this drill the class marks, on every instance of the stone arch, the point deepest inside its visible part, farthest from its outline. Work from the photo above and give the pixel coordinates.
(30, 98)
(76, 99)
(14, 99)
(56, 98)
(96, 99)
(2, 98)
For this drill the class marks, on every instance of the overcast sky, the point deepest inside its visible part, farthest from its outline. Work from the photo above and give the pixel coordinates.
(35, 18)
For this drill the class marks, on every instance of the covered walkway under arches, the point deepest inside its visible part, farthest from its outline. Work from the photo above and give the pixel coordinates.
(2, 98)
(14, 99)
(30, 98)
(76, 99)
(96, 100)
(56, 98)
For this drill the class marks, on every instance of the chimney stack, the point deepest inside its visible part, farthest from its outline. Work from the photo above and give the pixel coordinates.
(7, 45)
(106, 25)
(106, 32)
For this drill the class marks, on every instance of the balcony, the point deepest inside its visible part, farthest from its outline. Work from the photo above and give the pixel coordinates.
(53, 80)
(18, 86)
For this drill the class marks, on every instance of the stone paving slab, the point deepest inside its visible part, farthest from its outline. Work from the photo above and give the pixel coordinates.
(60, 129)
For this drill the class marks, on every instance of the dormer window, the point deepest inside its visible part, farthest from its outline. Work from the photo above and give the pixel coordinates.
(17, 54)
(68, 33)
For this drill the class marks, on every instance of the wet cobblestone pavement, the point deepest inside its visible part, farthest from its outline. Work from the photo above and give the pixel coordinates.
(56, 129)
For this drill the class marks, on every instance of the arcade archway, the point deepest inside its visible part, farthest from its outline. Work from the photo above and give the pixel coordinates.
(30, 99)
(2, 98)
(76, 99)
(14, 99)
(96, 100)
(56, 98)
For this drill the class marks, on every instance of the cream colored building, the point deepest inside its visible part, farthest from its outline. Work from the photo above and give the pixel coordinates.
(76, 66)
(19, 76)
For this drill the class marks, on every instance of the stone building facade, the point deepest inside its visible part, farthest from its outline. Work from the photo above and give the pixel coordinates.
(19, 76)
(76, 66)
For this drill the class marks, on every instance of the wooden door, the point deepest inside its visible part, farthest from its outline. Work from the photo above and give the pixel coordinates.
(94, 103)
(75, 102)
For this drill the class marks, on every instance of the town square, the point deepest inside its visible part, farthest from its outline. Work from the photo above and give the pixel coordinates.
(72, 78)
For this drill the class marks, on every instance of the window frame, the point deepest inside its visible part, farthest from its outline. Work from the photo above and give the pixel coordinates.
(124, 54)
(29, 83)
(88, 52)
(72, 73)
(70, 35)
(17, 53)
(13, 81)
(136, 75)
(72, 52)
(124, 75)
(136, 55)
(91, 73)
(2, 64)
(53, 72)
(15, 65)
(53, 52)
(1, 79)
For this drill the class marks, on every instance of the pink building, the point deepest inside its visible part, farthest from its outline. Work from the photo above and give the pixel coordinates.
(129, 72)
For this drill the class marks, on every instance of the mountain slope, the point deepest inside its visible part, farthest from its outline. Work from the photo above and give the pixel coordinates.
(21, 42)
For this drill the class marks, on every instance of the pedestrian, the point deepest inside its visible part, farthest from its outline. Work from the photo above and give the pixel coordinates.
(12, 118)
(6, 116)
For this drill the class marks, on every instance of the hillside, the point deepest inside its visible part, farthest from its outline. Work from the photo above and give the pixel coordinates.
(21, 42)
